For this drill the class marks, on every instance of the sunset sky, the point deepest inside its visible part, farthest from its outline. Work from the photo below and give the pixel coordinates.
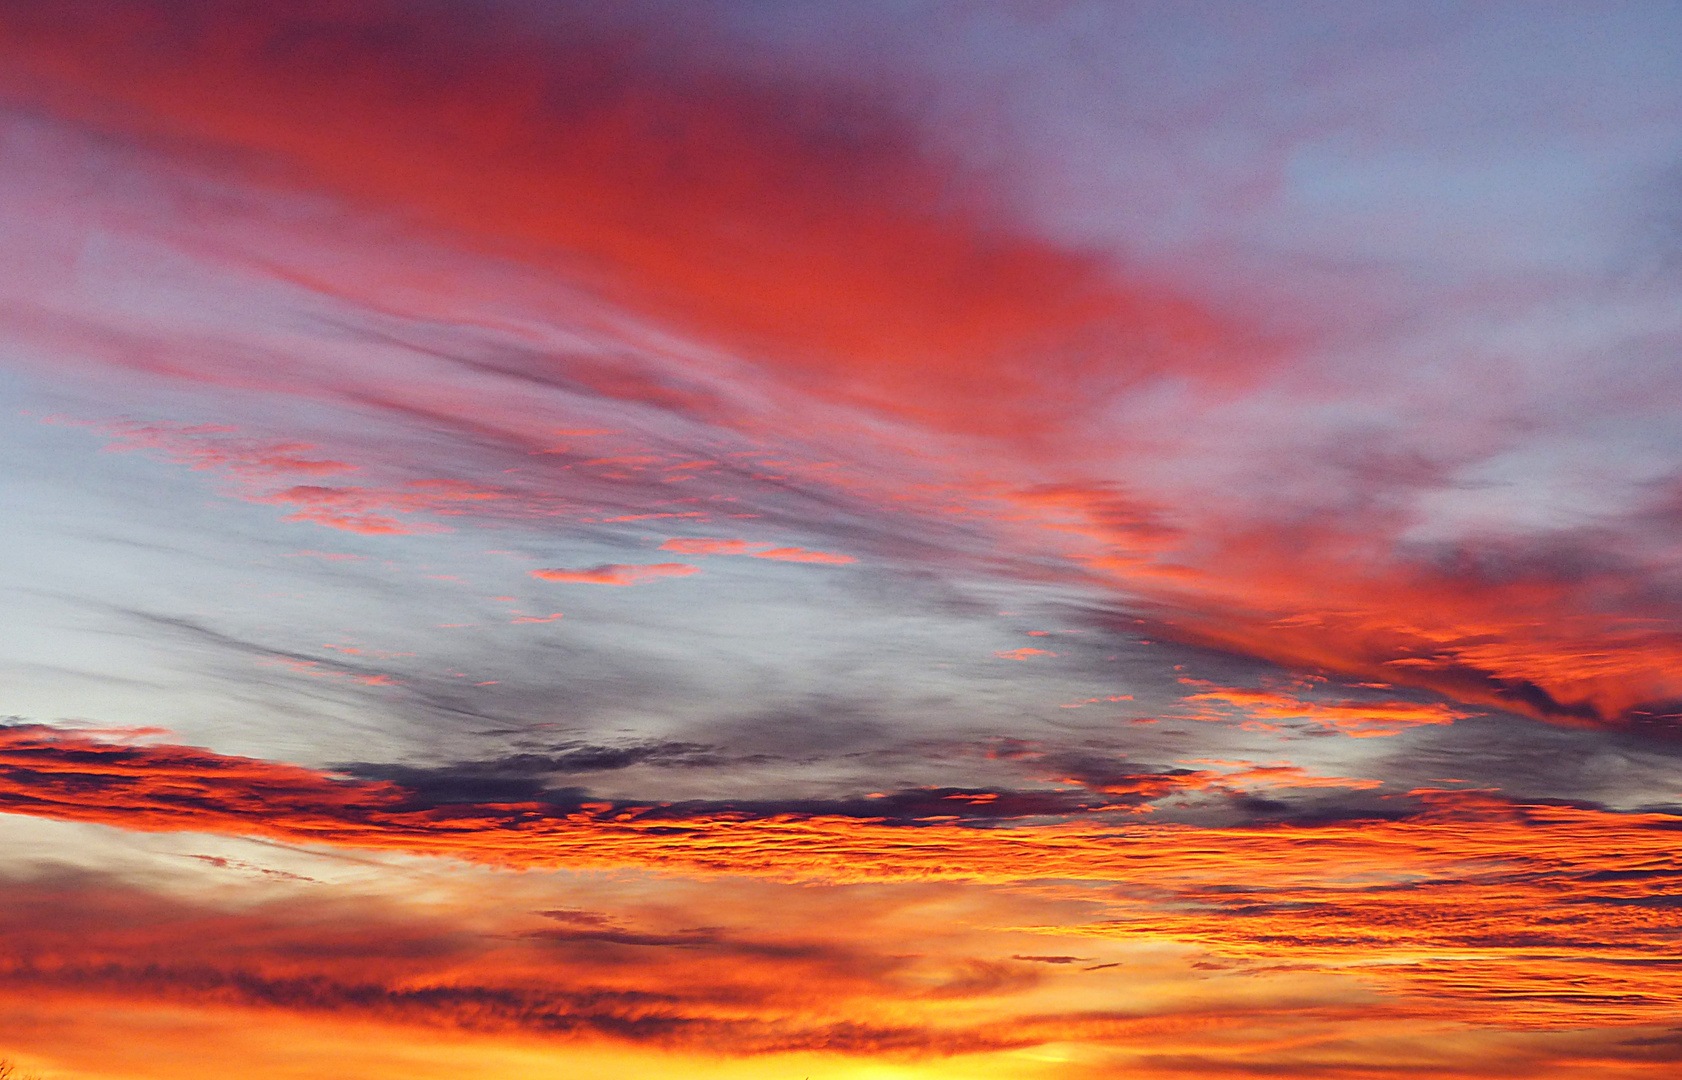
(818, 540)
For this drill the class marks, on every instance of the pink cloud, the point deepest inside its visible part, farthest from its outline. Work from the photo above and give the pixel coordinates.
(618, 573)
(257, 468)
(801, 555)
(369, 510)
(213, 446)
(1023, 654)
(317, 669)
(708, 545)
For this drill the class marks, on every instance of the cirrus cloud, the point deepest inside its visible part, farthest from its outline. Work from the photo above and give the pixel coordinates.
(618, 573)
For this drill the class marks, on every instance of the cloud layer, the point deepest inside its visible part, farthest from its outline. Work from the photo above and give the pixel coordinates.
(1144, 538)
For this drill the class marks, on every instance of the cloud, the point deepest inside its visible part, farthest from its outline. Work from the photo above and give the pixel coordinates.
(801, 555)
(619, 573)
(214, 447)
(489, 976)
(257, 466)
(603, 141)
(1336, 582)
(1278, 509)
(1357, 719)
(700, 545)
(1035, 311)
(1444, 897)
(378, 963)
(78, 776)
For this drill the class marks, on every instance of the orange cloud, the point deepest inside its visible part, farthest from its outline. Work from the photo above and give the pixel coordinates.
(521, 987)
(877, 282)
(619, 573)
(1536, 626)
(1358, 719)
(1239, 776)
(559, 974)
(77, 776)
(1467, 911)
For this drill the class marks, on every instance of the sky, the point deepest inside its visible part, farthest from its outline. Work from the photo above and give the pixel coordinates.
(915, 540)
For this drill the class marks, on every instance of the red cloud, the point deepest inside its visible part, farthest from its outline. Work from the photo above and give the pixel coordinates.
(673, 175)
(675, 178)
(619, 573)
(1546, 627)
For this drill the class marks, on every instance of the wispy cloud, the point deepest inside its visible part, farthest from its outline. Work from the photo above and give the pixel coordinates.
(1194, 494)
(618, 573)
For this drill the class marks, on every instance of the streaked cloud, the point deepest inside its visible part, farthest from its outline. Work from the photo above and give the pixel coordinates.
(618, 573)
(1176, 512)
